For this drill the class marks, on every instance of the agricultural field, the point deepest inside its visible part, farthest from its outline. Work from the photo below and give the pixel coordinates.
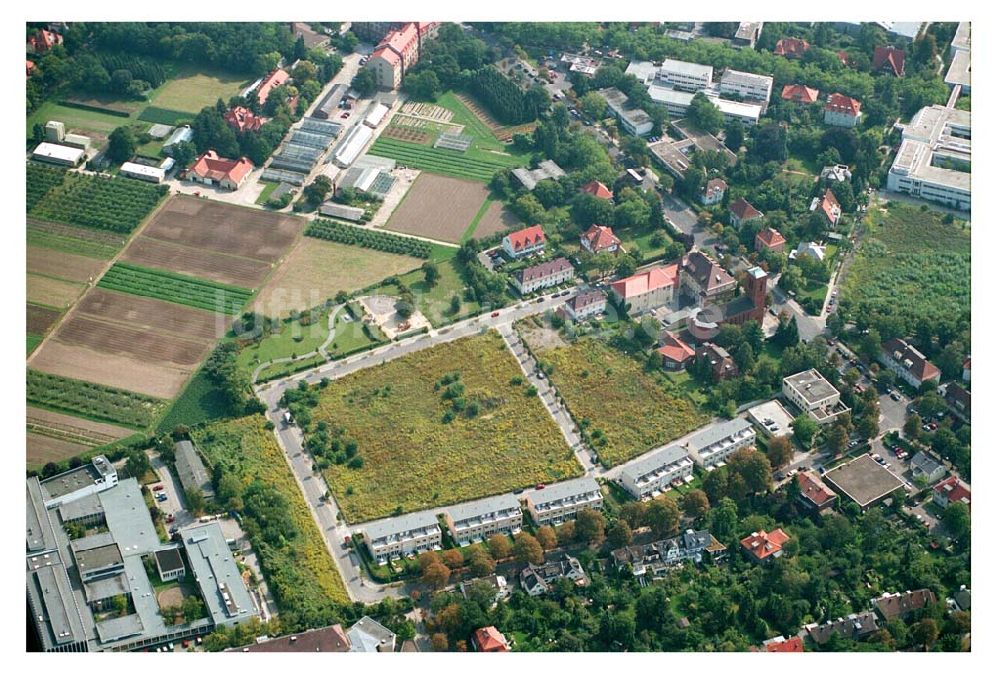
(63, 265)
(54, 293)
(316, 270)
(411, 458)
(92, 401)
(496, 219)
(219, 228)
(911, 265)
(132, 342)
(634, 411)
(442, 161)
(334, 231)
(82, 241)
(295, 561)
(221, 268)
(439, 207)
(114, 204)
(55, 436)
(42, 449)
(175, 288)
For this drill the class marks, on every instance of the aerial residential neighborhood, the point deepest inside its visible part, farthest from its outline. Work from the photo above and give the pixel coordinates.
(502, 337)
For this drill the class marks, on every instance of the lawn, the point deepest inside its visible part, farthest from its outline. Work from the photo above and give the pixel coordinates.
(294, 558)
(33, 342)
(293, 338)
(435, 302)
(75, 119)
(265, 194)
(912, 265)
(192, 89)
(611, 396)
(199, 402)
(411, 458)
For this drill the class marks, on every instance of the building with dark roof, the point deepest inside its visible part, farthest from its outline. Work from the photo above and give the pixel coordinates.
(718, 360)
(331, 639)
(902, 604)
(863, 480)
(908, 363)
(586, 304)
(543, 275)
(191, 471)
(853, 627)
(536, 579)
(655, 559)
(890, 60)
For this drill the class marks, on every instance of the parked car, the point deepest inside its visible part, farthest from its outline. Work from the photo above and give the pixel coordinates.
(174, 530)
(158, 487)
(345, 114)
(169, 519)
(161, 498)
(495, 313)
(539, 486)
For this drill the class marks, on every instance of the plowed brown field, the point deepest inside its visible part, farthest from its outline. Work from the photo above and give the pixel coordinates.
(235, 270)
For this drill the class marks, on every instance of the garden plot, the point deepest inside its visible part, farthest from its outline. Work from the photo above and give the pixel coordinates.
(213, 226)
(51, 292)
(40, 319)
(500, 439)
(497, 219)
(63, 265)
(438, 207)
(222, 268)
(42, 449)
(426, 111)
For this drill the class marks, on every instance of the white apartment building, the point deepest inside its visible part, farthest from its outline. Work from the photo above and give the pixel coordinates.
(960, 70)
(478, 520)
(560, 502)
(654, 473)
(685, 76)
(935, 158)
(813, 394)
(543, 275)
(746, 113)
(399, 536)
(713, 446)
(677, 103)
(748, 86)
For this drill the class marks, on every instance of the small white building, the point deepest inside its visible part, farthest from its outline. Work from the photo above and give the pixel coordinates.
(376, 114)
(169, 564)
(814, 395)
(685, 76)
(142, 172)
(56, 154)
(842, 111)
(771, 419)
(748, 86)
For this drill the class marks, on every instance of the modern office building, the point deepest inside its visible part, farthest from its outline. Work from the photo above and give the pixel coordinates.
(934, 161)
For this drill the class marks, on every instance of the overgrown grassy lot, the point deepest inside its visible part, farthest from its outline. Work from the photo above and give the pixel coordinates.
(92, 401)
(610, 392)
(911, 265)
(411, 458)
(299, 570)
(174, 287)
(435, 302)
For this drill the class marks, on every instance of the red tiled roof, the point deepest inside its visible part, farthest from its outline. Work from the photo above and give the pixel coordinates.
(799, 94)
(769, 237)
(743, 210)
(830, 206)
(793, 47)
(600, 238)
(782, 645)
(674, 349)
(597, 189)
(842, 56)
(210, 165)
(29, 66)
(843, 104)
(424, 26)
(526, 237)
(490, 639)
(387, 54)
(243, 119)
(275, 78)
(953, 490)
(889, 58)
(402, 40)
(44, 40)
(762, 544)
(813, 489)
(647, 281)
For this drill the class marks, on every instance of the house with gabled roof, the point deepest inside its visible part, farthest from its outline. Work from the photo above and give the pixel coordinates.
(769, 239)
(799, 94)
(599, 239)
(781, 645)
(720, 362)
(926, 468)
(524, 242)
(242, 119)
(676, 353)
(646, 290)
(536, 579)
(597, 189)
(842, 111)
(213, 170)
(853, 627)
(275, 78)
(792, 48)
(764, 546)
(42, 41)
(543, 275)
(890, 60)
(952, 490)
(902, 604)
(586, 305)
(704, 279)
(814, 493)
(908, 363)
(958, 399)
(741, 212)
(828, 205)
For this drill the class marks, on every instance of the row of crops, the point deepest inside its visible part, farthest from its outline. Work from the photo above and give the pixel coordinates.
(92, 401)
(371, 239)
(94, 201)
(436, 160)
(175, 288)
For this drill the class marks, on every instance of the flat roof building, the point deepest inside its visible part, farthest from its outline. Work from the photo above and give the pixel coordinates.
(814, 395)
(215, 572)
(396, 537)
(478, 520)
(748, 86)
(715, 444)
(934, 161)
(685, 76)
(370, 636)
(863, 480)
(771, 419)
(57, 154)
(560, 502)
(634, 121)
(654, 473)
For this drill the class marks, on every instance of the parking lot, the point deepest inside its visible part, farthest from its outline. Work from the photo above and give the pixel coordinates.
(174, 504)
